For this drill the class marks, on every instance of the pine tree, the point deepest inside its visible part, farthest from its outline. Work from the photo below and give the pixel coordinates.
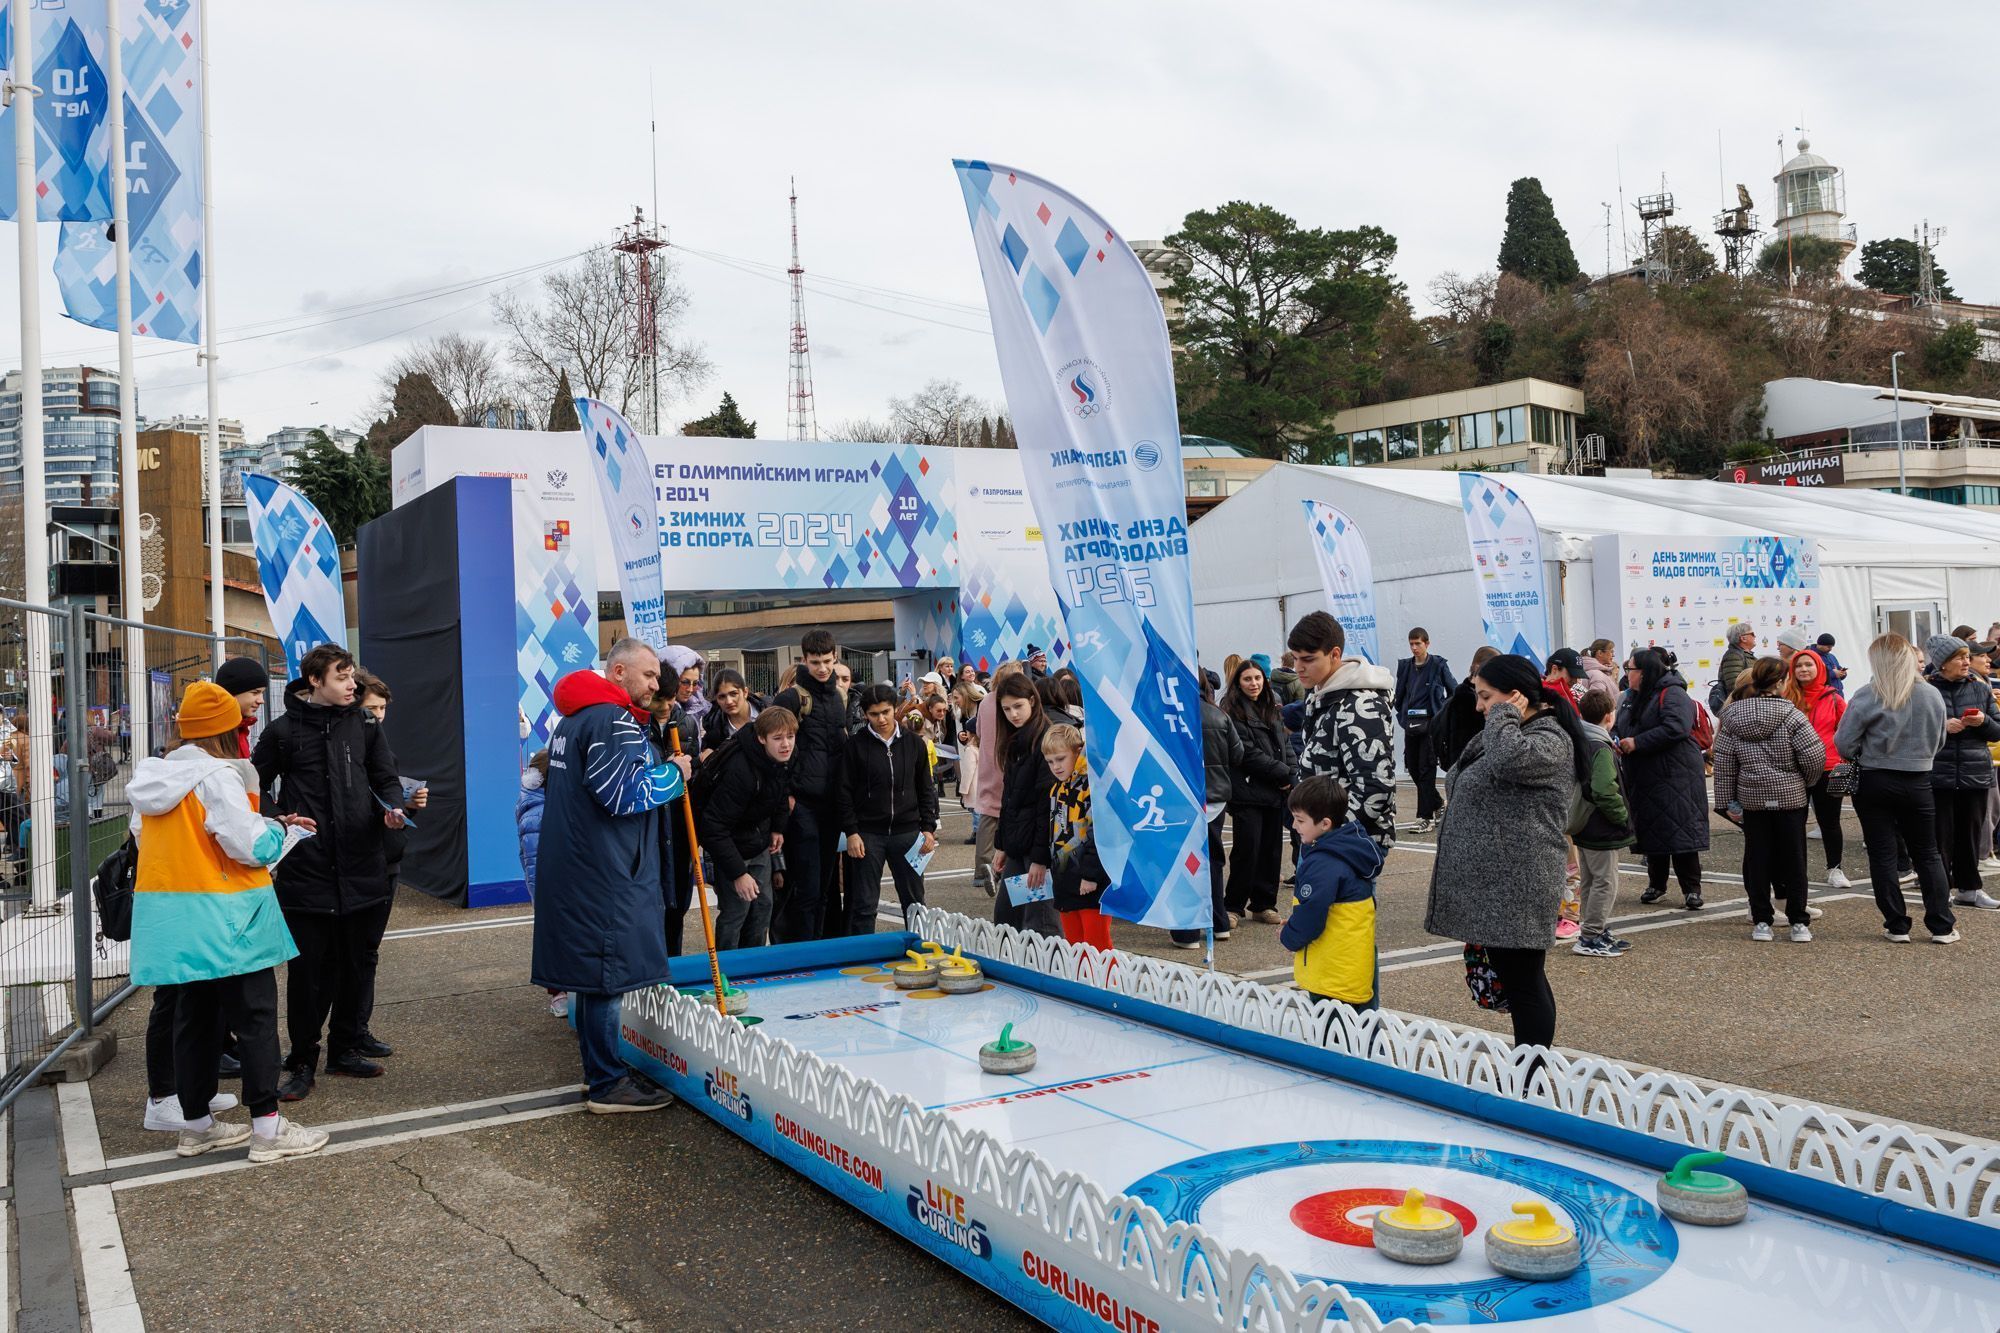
(562, 408)
(1535, 246)
(985, 433)
(726, 420)
(415, 403)
(348, 489)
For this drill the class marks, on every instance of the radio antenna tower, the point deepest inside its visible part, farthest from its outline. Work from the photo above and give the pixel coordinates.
(801, 422)
(639, 282)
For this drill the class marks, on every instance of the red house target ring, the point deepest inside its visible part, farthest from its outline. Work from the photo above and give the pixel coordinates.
(1331, 1215)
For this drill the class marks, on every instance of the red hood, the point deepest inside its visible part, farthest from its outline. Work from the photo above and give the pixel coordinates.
(1810, 693)
(581, 689)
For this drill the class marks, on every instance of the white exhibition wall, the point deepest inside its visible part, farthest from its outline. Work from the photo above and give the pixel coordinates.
(1254, 571)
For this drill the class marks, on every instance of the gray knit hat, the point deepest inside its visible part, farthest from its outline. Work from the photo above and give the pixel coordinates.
(1794, 639)
(1941, 648)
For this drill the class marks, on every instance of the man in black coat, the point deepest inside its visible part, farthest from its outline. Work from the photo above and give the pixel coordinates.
(323, 759)
(811, 893)
(888, 804)
(1423, 688)
(741, 798)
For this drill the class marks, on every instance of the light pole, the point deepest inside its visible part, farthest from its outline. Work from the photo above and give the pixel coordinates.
(1896, 392)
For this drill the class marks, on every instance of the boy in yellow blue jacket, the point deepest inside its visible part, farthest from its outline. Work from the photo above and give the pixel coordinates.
(205, 919)
(1331, 930)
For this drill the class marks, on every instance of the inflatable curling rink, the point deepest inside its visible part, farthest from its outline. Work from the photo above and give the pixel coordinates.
(1179, 1150)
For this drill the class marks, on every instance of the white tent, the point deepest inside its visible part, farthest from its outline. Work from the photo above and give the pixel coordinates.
(1885, 561)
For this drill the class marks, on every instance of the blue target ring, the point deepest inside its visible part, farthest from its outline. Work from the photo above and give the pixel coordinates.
(1627, 1244)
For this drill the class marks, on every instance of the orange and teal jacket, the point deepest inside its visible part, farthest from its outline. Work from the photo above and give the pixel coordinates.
(202, 904)
(1331, 930)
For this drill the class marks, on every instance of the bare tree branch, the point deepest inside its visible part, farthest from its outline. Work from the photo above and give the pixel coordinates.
(466, 370)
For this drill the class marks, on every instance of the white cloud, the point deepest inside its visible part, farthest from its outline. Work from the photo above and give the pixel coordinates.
(384, 148)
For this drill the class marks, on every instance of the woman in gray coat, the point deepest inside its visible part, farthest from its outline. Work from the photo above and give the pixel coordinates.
(1500, 850)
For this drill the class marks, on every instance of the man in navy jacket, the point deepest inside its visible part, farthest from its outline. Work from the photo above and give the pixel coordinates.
(598, 928)
(888, 804)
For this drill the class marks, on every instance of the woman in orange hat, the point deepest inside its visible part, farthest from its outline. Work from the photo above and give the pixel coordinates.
(205, 919)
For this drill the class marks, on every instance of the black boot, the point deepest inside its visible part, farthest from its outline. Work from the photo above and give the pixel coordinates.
(353, 1065)
(373, 1047)
(297, 1084)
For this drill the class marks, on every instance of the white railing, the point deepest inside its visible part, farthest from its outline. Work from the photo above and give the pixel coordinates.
(1890, 1162)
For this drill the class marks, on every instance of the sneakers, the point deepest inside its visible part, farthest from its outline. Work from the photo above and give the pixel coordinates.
(1949, 937)
(1187, 944)
(1895, 936)
(1761, 932)
(1567, 929)
(373, 1047)
(1423, 826)
(1692, 902)
(1223, 934)
(1801, 933)
(297, 1084)
(1600, 946)
(1837, 879)
(1268, 917)
(1979, 898)
(291, 1140)
(627, 1095)
(1990, 863)
(1814, 833)
(1652, 895)
(165, 1114)
(219, 1134)
(1908, 876)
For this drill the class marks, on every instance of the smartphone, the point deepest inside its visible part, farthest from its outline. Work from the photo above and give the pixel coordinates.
(1971, 715)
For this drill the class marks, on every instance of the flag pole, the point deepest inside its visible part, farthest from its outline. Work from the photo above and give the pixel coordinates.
(131, 600)
(40, 722)
(213, 449)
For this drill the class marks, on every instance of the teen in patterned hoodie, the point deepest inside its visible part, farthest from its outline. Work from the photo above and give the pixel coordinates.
(1349, 724)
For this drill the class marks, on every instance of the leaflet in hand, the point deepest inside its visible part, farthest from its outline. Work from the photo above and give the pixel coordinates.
(1020, 894)
(407, 821)
(918, 858)
(294, 835)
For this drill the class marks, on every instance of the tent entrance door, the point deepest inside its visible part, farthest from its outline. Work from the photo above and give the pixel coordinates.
(1915, 621)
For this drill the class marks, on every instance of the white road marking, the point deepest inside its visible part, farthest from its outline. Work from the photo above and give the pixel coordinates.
(83, 1150)
(395, 1118)
(340, 1146)
(112, 1304)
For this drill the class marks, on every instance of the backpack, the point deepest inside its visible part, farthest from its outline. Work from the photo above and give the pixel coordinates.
(1717, 696)
(1703, 733)
(112, 888)
(702, 783)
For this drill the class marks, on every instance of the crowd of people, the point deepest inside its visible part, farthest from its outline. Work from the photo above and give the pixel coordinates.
(661, 781)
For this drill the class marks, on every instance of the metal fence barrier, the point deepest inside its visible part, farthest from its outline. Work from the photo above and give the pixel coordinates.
(68, 744)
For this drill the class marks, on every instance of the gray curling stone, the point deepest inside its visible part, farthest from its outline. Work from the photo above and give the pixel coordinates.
(1702, 1198)
(911, 976)
(1534, 1248)
(1413, 1234)
(1007, 1056)
(734, 1001)
(960, 980)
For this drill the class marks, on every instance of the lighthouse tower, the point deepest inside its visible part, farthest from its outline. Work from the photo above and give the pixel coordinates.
(1812, 201)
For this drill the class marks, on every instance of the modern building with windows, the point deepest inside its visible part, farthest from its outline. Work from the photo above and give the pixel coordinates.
(228, 430)
(79, 433)
(1525, 425)
(1951, 441)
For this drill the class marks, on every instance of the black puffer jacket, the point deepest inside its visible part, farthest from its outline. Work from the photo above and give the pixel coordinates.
(1666, 780)
(1221, 756)
(329, 764)
(1965, 764)
(741, 805)
(1265, 774)
(822, 715)
(1024, 801)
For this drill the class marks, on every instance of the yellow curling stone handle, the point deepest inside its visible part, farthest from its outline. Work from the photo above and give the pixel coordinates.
(1537, 1227)
(1412, 1215)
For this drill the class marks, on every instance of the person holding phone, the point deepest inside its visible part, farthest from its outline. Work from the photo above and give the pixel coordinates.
(1962, 774)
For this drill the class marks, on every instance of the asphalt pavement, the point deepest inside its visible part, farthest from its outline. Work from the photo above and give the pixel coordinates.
(467, 1191)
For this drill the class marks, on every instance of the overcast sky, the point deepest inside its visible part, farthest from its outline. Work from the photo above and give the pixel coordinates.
(369, 149)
